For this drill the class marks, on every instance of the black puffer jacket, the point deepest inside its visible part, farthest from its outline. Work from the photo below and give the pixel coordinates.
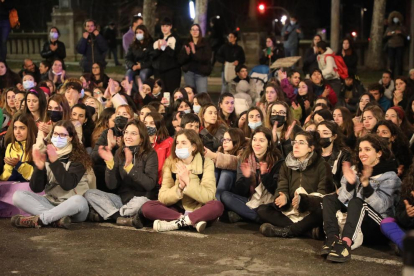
(141, 54)
(166, 60)
(141, 180)
(230, 53)
(50, 55)
(200, 62)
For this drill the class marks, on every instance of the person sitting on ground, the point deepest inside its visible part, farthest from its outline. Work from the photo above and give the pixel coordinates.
(212, 128)
(377, 91)
(18, 158)
(304, 179)
(388, 83)
(61, 172)
(187, 194)
(133, 172)
(257, 177)
(190, 121)
(366, 197)
(57, 74)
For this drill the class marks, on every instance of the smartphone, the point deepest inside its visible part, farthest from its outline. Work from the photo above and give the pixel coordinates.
(168, 97)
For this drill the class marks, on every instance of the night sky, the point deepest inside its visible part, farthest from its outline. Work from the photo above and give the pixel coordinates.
(312, 14)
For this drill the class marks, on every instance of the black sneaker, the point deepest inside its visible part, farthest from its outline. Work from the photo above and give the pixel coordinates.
(269, 230)
(327, 246)
(93, 216)
(234, 217)
(340, 252)
(136, 221)
(62, 223)
(318, 233)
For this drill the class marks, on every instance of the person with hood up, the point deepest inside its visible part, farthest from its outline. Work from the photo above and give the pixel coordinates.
(395, 36)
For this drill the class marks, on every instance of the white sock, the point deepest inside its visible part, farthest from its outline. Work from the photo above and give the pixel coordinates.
(187, 221)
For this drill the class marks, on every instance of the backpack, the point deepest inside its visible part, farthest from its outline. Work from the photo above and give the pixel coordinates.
(341, 67)
(14, 19)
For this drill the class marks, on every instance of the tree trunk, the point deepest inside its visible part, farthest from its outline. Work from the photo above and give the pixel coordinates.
(149, 15)
(377, 29)
(253, 9)
(335, 24)
(201, 15)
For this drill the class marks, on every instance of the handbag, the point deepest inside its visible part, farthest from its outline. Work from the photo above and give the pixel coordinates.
(14, 19)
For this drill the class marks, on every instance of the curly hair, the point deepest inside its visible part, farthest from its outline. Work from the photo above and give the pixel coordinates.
(408, 185)
(78, 153)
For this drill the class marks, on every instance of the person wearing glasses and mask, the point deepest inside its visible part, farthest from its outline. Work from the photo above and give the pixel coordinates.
(61, 172)
(303, 180)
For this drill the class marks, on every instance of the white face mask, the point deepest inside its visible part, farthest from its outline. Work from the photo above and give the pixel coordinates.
(196, 108)
(28, 84)
(59, 142)
(139, 37)
(396, 20)
(183, 153)
(53, 35)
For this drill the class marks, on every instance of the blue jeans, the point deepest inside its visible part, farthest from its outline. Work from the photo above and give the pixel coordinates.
(4, 34)
(199, 82)
(225, 180)
(143, 74)
(237, 204)
(291, 52)
(107, 204)
(76, 207)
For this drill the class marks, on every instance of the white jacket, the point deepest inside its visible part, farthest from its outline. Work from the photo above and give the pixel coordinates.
(327, 65)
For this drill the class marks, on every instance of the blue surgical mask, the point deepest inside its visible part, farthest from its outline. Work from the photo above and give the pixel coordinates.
(186, 111)
(253, 126)
(28, 84)
(183, 153)
(139, 37)
(59, 142)
(196, 108)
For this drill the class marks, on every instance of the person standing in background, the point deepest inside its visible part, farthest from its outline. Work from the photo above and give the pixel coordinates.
(291, 34)
(110, 36)
(395, 37)
(129, 36)
(5, 8)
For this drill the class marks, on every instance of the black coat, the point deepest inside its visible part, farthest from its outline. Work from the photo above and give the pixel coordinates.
(230, 53)
(351, 62)
(142, 54)
(200, 62)
(110, 36)
(93, 49)
(310, 61)
(140, 181)
(50, 55)
(278, 52)
(167, 60)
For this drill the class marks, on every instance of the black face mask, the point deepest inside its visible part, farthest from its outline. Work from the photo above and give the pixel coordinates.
(133, 149)
(120, 122)
(54, 115)
(279, 119)
(325, 142)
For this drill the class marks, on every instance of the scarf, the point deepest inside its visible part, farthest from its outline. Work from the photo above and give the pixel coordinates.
(65, 150)
(294, 163)
(382, 167)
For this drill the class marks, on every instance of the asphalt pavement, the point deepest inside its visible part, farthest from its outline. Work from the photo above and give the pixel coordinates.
(223, 249)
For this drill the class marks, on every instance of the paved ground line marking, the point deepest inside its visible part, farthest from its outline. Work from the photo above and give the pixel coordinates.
(149, 230)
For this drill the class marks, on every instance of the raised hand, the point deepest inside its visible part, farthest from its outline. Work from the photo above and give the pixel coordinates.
(38, 158)
(183, 175)
(85, 35)
(187, 49)
(281, 200)
(295, 106)
(245, 168)
(289, 130)
(111, 139)
(349, 174)
(274, 132)
(96, 32)
(51, 153)
(105, 153)
(208, 153)
(409, 209)
(307, 104)
(264, 168)
(192, 47)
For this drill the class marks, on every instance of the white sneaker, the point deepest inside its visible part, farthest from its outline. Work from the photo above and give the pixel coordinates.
(200, 226)
(163, 226)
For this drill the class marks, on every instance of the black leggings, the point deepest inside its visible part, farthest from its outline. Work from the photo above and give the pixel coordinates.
(360, 215)
(272, 214)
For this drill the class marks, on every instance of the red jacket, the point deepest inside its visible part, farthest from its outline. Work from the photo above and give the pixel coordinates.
(163, 150)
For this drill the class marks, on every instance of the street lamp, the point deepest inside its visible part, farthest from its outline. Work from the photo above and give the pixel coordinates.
(192, 10)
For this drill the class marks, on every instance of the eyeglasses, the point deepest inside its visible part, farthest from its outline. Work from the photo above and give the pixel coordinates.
(281, 113)
(61, 135)
(225, 140)
(298, 142)
(95, 67)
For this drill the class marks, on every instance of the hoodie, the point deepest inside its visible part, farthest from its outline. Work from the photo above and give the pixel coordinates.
(327, 65)
(395, 40)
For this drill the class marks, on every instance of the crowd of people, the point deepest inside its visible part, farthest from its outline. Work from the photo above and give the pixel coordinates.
(313, 154)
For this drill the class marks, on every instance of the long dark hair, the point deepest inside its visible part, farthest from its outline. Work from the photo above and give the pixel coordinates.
(272, 154)
(144, 148)
(379, 144)
(194, 139)
(408, 185)
(63, 103)
(28, 121)
(289, 118)
(338, 143)
(347, 127)
(78, 153)
(246, 129)
(162, 131)
(147, 38)
(231, 121)
(42, 103)
(212, 129)
(238, 139)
